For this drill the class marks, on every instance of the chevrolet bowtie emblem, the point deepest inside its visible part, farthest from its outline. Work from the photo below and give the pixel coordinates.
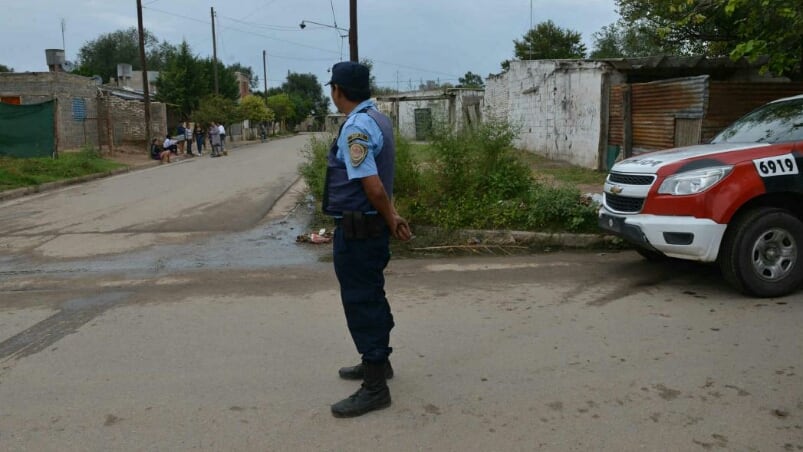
(616, 189)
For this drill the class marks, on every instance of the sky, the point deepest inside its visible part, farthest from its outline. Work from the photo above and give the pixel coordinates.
(409, 42)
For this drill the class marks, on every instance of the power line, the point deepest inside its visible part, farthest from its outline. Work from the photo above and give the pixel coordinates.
(403, 66)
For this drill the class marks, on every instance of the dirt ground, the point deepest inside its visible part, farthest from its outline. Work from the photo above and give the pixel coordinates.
(134, 156)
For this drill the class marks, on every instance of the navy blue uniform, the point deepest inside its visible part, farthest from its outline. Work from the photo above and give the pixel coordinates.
(364, 147)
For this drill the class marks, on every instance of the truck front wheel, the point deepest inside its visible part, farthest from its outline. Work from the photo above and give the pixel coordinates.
(761, 253)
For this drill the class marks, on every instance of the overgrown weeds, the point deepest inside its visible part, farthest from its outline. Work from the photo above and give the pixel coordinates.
(471, 179)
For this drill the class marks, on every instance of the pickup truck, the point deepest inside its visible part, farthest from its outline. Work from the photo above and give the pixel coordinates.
(737, 201)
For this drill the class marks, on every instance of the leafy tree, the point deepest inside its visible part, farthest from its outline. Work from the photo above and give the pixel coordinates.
(182, 82)
(307, 96)
(623, 39)
(227, 82)
(471, 80)
(253, 109)
(548, 41)
(101, 56)
(218, 109)
(4, 68)
(282, 107)
(725, 27)
(770, 28)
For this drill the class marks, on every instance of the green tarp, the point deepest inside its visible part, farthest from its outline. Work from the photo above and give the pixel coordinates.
(27, 130)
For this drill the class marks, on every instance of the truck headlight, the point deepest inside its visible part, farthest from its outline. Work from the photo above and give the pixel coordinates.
(692, 182)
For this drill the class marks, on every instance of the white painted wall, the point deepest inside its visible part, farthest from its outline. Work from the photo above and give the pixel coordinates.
(443, 110)
(558, 104)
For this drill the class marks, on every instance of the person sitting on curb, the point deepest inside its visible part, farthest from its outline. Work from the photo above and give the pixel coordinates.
(170, 145)
(159, 153)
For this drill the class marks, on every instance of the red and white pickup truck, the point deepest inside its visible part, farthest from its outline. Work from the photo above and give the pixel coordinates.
(737, 201)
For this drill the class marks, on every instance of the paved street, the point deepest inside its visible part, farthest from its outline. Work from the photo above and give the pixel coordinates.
(132, 321)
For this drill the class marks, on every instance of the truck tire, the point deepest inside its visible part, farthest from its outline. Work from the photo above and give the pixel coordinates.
(762, 253)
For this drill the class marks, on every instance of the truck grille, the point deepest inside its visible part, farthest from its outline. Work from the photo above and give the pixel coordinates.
(631, 179)
(623, 204)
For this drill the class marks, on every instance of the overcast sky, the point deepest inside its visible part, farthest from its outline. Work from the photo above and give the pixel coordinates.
(408, 41)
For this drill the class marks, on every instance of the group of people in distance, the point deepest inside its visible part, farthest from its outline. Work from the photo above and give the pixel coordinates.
(181, 143)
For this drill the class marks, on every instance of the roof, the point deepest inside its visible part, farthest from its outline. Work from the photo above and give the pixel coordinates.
(127, 94)
(663, 66)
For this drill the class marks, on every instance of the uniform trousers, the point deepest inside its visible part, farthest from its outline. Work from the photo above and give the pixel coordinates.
(359, 266)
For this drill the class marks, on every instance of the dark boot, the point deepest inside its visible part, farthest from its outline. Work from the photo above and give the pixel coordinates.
(372, 395)
(358, 372)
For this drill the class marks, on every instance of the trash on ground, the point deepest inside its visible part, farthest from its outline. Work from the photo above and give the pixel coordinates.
(322, 236)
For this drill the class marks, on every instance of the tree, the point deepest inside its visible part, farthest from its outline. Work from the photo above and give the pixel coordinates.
(218, 109)
(253, 109)
(624, 39)
(227, 82)
(738, 28)
(471, 80)
(307, 96)
(4, 68)
(101, 56)
(182, 82)
(548, 41)
(770, 28)
(282, 107)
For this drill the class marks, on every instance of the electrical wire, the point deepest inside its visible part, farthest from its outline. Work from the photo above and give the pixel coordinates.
(413, 68)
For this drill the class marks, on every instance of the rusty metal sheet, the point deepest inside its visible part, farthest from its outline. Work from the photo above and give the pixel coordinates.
(616, 116)
(731, 100)
(655, 106)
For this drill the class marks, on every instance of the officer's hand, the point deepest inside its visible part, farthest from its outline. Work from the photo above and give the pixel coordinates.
(402, 229)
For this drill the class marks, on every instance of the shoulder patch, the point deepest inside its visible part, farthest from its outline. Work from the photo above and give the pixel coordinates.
(357, 136)
(357, 154)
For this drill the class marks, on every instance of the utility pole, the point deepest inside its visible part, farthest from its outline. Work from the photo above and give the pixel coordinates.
(353, 53)
(144, 62)
(265, 73)
(214, 49)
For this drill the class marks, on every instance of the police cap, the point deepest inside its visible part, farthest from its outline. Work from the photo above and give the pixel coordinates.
(349, 74)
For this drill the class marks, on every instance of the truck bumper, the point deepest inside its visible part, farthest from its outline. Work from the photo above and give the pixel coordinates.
(690, 238)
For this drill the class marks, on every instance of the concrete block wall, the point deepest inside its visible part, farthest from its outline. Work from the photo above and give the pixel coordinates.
(74, 131)
(444, 111)
(558, 105)
(128, 120)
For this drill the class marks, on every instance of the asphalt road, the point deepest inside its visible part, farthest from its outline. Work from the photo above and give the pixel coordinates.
(229, 337)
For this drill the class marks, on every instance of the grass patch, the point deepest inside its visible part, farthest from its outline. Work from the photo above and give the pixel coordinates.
(561, 172)
(18, 173)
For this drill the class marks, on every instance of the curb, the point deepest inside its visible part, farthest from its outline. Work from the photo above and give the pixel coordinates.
(525, 238)
(49, 186)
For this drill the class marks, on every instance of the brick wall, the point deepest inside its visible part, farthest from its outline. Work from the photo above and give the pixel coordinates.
(127, 119)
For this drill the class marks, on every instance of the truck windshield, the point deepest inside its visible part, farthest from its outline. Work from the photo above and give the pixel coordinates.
(772, 123)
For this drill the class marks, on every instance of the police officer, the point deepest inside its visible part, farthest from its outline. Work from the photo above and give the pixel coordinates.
(358, 191)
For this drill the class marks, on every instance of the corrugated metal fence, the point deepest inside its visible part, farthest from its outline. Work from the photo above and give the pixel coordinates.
(658, 115)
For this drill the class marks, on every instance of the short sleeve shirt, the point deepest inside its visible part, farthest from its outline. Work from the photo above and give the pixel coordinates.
(359, 143)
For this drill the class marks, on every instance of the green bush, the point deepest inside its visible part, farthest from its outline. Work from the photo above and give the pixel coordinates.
(313, 169)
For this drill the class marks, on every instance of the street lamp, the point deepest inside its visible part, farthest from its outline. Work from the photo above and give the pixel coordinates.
(303, 25)
(351, 33)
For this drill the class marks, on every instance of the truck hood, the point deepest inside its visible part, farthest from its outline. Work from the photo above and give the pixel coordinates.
(651, 162)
